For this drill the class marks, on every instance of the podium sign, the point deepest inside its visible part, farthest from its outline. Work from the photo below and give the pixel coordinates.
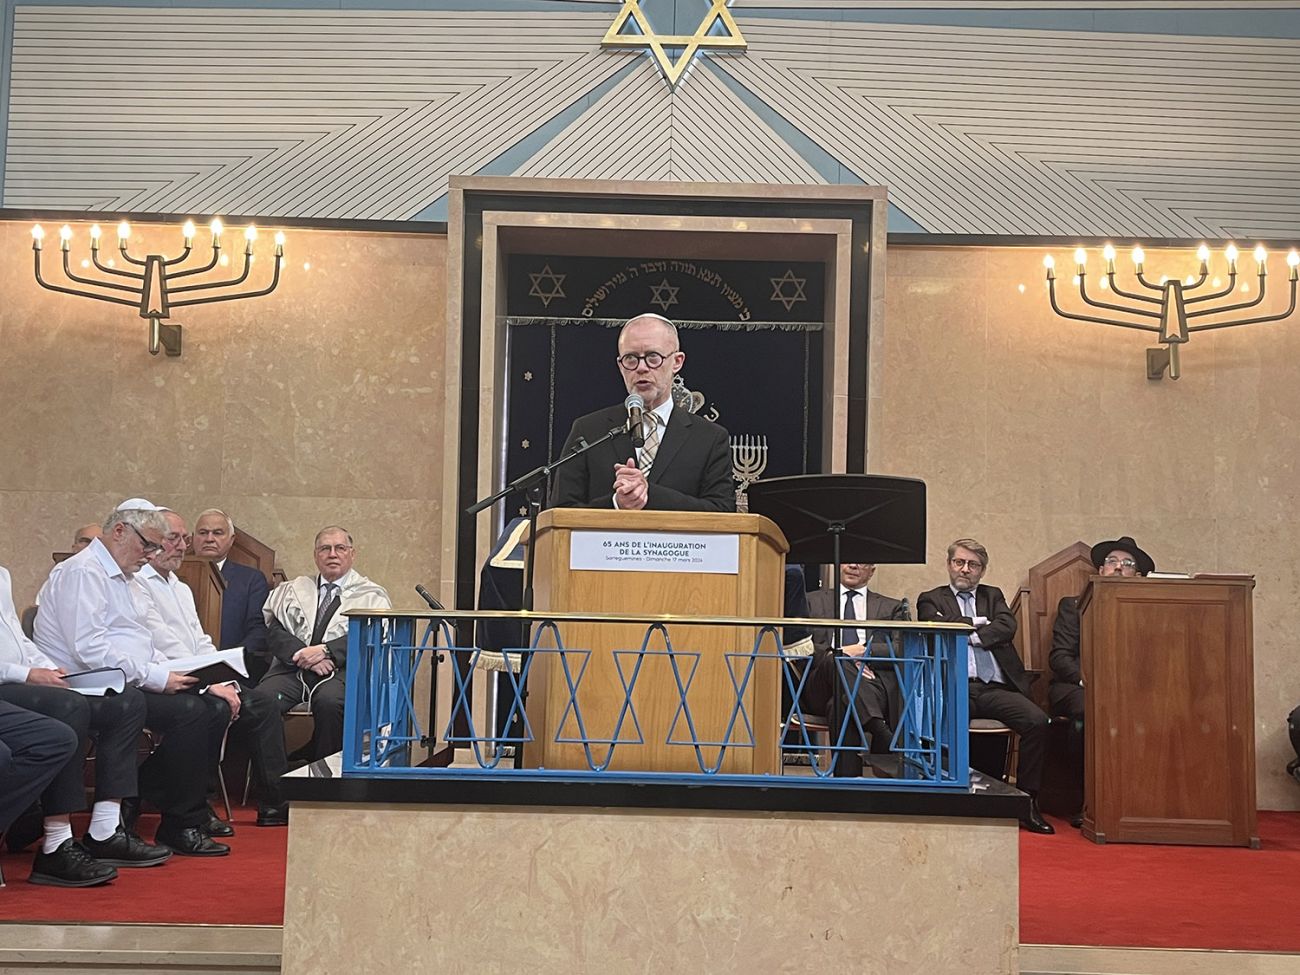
(1170, 713)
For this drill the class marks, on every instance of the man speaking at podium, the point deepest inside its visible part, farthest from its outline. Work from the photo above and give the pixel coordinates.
(684, 463)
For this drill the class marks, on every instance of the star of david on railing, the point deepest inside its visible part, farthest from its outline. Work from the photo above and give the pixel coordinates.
(632, 29)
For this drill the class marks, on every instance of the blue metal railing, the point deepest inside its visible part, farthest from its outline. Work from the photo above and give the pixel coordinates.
(382, 724)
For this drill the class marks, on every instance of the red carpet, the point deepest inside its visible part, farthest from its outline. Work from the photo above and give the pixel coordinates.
(1074, 892)
(246, 887)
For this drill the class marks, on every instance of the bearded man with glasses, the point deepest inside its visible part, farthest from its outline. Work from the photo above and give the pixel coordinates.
(1120, 557)
(997, 683)
(684, 460)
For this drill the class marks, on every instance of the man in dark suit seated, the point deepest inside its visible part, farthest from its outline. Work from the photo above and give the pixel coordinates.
(242, 624)
(998, 685)
(685, 464)
(877, 690)
(1121, 557)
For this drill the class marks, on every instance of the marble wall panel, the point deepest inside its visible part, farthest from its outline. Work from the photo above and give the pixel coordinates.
(624, 890)
(1033, 432)
(319, 403)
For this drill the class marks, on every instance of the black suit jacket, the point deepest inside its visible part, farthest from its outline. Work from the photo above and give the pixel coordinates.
(822, 685)
(1064, 658)
(940, 606)
(691, 471)
(241, 609)
(822, 604)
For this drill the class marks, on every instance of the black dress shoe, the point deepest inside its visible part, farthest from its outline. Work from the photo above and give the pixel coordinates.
(215, 826)
(191, 841)
(70, 866)
(1077, 820)
(273, 815)
(124, 849)
(1034, 821)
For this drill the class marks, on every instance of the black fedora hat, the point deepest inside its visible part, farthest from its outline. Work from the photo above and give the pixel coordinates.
(1146, 563)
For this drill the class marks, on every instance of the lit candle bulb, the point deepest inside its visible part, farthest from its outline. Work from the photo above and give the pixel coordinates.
(1293, 261)
(1108, 252)
(1231, 254)
(250, 235)
(123, 232)
(38, 235)
(1261, 255)
(279, 243)
(95, 232)
(1080, 260)
(1049, 262)
(188, 231)
(65, 237)
(1203, 252)
(216, 226)
(1139, 258)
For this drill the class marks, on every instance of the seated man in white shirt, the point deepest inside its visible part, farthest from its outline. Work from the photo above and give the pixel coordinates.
(30, 680)
(89, 618)
(174, 621)
(307, 634)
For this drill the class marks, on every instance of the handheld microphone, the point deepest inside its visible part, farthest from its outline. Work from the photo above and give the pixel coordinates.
(635, 407)
(428, 598)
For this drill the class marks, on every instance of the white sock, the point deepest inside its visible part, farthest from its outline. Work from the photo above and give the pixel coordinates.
(58, 829)
(104, 818)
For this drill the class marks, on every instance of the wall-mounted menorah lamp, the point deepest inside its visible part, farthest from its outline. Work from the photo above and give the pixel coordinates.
(1173, 312)
(152, 290)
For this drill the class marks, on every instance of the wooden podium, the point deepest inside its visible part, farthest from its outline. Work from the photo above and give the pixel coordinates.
(1170, 715)
(626, 562)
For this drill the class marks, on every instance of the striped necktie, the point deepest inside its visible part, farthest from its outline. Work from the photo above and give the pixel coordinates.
(651, 446)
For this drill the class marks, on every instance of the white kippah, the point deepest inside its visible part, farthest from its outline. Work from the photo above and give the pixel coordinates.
(138, 504)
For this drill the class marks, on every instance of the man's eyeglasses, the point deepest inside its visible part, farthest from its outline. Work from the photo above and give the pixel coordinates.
(149, 547)
(966, 564)
(652, 360)
(342, 549)
(1120, 563)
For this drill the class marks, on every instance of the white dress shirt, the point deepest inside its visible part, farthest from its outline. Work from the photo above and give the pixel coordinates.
(973, 640)
(18, 655)
(89, 619)
(171, 614)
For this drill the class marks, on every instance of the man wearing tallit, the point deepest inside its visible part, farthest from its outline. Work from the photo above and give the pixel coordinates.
(307, 635)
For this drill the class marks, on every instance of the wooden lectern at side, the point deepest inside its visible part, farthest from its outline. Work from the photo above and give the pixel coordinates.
(1168, 669)
(208, 585)
(641, 562)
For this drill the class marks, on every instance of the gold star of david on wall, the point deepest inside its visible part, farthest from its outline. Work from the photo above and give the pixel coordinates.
(791, 295)
(631, 28)
(555, 288)
(663, 294)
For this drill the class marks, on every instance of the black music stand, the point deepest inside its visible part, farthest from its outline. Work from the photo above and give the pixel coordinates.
(833, 517)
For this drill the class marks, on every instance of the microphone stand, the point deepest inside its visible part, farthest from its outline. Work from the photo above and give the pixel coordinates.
(535, 483)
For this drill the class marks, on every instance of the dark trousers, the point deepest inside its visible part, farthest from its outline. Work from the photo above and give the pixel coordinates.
(175, 776)
(280, 690)
(1004, 703)
(33, 750)
(1293, 726)
(114, 721)
(259, 727)
(831, 681)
